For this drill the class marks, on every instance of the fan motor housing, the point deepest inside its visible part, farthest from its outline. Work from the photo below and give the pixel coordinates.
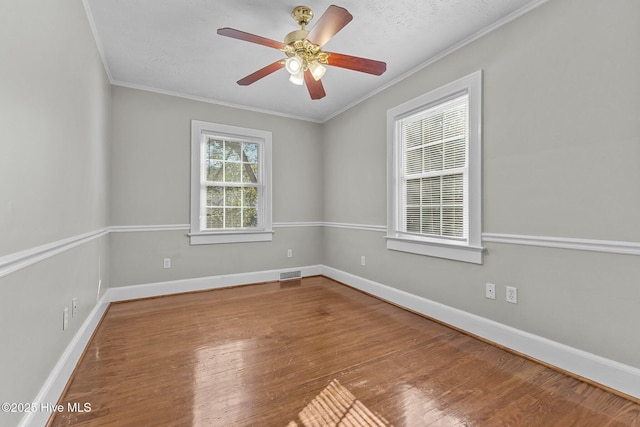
(295, 36)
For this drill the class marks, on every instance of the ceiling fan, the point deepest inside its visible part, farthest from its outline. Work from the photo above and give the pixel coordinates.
(305, 57)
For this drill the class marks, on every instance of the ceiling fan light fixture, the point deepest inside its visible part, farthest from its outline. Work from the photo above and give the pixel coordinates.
(303, 50)
(317, 70)
(293, 65)
(297, 78)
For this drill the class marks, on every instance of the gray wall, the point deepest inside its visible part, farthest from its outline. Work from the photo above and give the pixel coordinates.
(561, 146)
(151, 186)
(54, 132)
(561, 151)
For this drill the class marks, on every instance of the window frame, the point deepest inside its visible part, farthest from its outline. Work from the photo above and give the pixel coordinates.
(469, 249)
(264, 231)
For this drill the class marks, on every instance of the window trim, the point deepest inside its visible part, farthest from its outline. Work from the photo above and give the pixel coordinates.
(471, 249)
(265, 231)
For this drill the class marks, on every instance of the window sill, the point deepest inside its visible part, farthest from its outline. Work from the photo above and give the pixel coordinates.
(441, 249)
(217, 237)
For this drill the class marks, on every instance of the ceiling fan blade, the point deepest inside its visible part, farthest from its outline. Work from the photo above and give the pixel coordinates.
(262, 72)
(355, 63)
(332, 20)
(316, 90)
(248, 37)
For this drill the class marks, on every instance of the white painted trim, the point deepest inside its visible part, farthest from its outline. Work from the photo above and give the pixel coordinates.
(609, 373)
(398, 117)
(99, 46)
(366, 227)
(212, 101)
(124, 293)
(448, 250)
(57, 380)
(607, 246)
(19, 260)
(138, 228)
(297, 224)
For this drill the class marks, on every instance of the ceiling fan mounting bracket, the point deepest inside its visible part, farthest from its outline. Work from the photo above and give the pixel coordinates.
(302, 15)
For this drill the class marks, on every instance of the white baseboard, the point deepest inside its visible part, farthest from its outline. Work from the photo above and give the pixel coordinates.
(609, 373)
(606, 372)
(62, 371)
(126, 293)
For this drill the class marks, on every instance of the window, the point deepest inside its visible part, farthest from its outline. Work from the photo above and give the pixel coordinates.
(230, 184)
(434, 156)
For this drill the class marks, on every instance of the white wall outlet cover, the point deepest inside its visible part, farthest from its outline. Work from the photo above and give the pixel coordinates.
(490, 291)
(65, 318)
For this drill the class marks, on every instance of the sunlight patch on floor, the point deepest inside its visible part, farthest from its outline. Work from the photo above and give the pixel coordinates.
(337, 406)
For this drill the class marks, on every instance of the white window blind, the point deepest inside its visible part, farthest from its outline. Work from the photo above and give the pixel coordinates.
(434, 172)
(434, 165)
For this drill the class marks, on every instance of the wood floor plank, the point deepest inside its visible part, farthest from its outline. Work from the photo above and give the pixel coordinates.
(276, 354)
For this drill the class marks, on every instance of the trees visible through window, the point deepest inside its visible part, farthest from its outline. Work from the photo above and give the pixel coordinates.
(231, 180)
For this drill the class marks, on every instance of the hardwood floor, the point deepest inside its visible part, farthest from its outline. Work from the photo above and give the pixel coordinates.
(312, 352)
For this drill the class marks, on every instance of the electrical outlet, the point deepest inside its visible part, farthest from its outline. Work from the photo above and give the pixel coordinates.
(167, 263)
(289, 253)
(74, 307)
(65, 318)
(363, 260)
(490, 291)
(512, 294)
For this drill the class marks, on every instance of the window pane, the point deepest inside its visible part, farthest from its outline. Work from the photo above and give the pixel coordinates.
(233, 196)
(214, 170)
(214, 149)
(233, 218)
(433, 144)
(432, 128)
(250, 196)
(250, 218)
(215, 196)
(454, 154)
(232, 172)
(413, 219)
(249, 173)
(431, 220)
(413, 192)
(452, 220)
(452, 189)
(431, 191)
(455, 122)
(433, 158)
(413, 134)
(414, 161)
(215, 217)
(232, 151)
(250, 152)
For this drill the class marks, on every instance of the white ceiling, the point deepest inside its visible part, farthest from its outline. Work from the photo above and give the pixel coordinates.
(171, 46)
